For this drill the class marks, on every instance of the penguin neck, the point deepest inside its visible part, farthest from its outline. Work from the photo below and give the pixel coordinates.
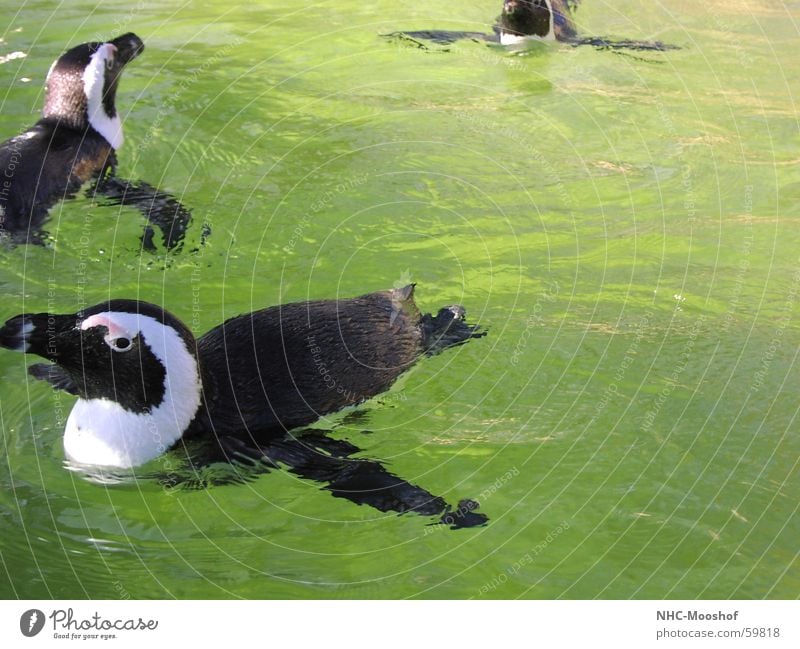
(86, 102)
(105, 128)
(101, 432)
(66, 111)
(94, 87)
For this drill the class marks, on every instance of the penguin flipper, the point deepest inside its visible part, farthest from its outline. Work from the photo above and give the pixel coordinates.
(367, 482)
(617, 45)
(161, 209)
(55, 376)
(312, 455)
(437, 37)
(364, 481)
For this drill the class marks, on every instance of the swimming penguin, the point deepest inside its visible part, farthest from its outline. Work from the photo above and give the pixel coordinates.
(75, 141)
(546, 20)
(532, 20)
(144, 383)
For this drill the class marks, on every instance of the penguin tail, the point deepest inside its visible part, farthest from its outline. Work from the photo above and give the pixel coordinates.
(447, 329)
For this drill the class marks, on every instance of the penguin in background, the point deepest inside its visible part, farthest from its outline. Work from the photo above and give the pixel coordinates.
(522, 21)
(536, 20)
(75, 142)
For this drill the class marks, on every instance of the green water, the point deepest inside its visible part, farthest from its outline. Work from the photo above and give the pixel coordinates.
(625, 226)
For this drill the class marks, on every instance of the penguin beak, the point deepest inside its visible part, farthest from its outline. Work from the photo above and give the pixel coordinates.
(16, 333)
(129, 46)
(39, 333)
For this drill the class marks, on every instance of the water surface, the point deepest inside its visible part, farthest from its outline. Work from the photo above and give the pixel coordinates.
(625, 226)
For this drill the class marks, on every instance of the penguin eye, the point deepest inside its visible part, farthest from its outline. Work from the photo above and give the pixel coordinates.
(120, 344)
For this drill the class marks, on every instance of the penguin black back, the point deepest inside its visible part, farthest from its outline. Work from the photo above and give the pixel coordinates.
(285, 366)
(43, 166)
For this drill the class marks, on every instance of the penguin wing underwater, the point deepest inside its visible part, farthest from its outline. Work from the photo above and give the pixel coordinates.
(529, 20)
(314, 455)
(74, 142)
(160, 208)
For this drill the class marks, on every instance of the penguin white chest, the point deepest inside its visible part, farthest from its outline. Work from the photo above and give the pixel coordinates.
(507, 38)
(100, 432)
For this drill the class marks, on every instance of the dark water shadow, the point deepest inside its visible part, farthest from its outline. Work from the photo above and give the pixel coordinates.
(421, 38)
(160, 208)
(313, 455)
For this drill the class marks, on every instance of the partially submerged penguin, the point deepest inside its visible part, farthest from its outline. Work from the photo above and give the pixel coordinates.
(547, 20)
(144, 384)
(74, 142)
(533, 20)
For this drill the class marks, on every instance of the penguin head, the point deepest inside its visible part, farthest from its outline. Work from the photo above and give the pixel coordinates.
(81, 86)
(527, 18)
(133, 367)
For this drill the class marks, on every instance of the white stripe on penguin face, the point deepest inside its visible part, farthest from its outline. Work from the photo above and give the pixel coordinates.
(94, 87)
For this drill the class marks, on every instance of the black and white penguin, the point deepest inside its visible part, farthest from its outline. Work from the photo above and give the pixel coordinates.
(144, 382)
(76, 141)
(521, 21)
(546, 20)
